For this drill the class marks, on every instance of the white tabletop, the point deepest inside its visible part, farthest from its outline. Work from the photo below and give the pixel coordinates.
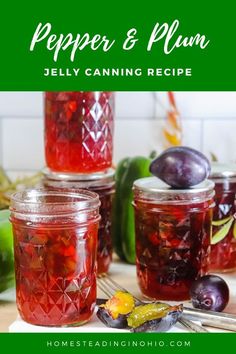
(125, 275)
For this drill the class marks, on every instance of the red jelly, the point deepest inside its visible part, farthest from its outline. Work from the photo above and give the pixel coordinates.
(79, 131)
(173, 229)
(104, 185)
(223, 253)
(55, 241)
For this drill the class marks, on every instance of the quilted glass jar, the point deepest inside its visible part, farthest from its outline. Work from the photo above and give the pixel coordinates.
(173, 230)
(223, 252)
(103, 184)
(55, 243)
(78, 131)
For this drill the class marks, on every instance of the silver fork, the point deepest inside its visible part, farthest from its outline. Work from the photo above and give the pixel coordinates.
(108, 286)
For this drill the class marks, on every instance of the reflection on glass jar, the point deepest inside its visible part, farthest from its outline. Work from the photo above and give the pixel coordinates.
(79, 131)
(223, 253)
(55, 241)
(173, 229)
(103, 184)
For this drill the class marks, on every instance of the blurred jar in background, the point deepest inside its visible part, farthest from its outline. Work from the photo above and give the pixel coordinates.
(103, 184)
(223, 252)
(79, 131)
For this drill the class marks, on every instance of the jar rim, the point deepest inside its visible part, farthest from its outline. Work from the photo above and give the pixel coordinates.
(153, 190)
(226, 170)
(78, 177)
(42, 201)
(155, 185)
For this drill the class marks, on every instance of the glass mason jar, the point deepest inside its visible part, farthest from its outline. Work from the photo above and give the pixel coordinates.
(103, 184)
(173, 229)
(55, 242)
(79, 131)
(223, 252)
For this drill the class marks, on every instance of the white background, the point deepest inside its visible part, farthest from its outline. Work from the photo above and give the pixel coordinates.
(208, 120)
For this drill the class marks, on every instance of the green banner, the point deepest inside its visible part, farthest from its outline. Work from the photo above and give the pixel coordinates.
(116, 343)
(106, 45)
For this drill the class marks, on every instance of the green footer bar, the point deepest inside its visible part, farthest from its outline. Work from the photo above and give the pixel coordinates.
(119, 343)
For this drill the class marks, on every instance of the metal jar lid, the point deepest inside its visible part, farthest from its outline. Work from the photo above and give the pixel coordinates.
(79, 180)
(152, 189)
(223, 170)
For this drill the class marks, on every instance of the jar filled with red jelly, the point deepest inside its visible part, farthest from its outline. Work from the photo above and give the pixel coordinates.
(173, 230)
(223, 249)
(55, 243)
(103, 184)
(79, 131)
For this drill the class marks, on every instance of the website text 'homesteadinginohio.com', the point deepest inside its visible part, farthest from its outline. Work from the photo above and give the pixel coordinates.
(117, 343)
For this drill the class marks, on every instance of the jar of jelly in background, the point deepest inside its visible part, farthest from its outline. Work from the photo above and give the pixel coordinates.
(55, 242)
(173, 229)
(223, 252)
(103, 184)
(79, 131)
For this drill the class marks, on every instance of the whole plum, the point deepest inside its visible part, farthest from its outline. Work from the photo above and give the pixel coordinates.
(181, 167)
(210, 292)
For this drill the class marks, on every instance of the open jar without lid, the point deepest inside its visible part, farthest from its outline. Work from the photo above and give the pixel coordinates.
(103, 184)
(223, 250)
(173, 230)
(55, 242)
